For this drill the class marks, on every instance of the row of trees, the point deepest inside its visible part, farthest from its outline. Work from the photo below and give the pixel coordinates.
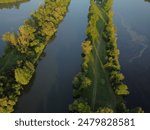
(27, 45)
(81, 82)
(112, 62)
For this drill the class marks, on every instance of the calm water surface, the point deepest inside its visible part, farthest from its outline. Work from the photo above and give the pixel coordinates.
(132, 19)
(51, 89)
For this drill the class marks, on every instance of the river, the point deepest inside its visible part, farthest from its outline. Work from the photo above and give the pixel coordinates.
(12, 16)
(132, 20)
(51, 88)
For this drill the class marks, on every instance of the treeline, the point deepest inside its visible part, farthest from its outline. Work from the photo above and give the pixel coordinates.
(25, 47)
(82, 81)
(112, 63)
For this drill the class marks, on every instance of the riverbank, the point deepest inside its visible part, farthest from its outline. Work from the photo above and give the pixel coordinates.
(99, 86)
(25, 48)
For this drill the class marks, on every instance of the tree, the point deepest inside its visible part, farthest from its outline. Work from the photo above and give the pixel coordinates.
(86, 47)
(80, 106)
(76, 81)
(86, 82)
(10, 38)
(116, 77)
(122, 90)
(111, 67)
(48, 31)
(122, 108)
(39, 48)
(23, 75)
(26, 35)
(137, 110)
(6, 105)
(104, 110)
(76, 93)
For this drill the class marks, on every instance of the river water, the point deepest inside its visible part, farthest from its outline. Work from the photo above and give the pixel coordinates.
(51, 89)
(11, 17)
(132, 19)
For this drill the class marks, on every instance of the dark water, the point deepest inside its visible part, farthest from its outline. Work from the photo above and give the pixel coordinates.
(132, 18)
(11, 18)
(51, 90)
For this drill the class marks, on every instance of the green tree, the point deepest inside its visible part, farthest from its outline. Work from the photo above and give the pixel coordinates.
(104, 110)
(10, 38)
(122, 90)
(23, 75)
(86, 47)
(26, 35)
(79, 106)
(86, 82)
(137, 110)
(116, 77)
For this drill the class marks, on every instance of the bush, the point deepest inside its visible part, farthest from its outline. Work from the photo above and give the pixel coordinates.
(80, 106)
(104, 110)
(85, 83)
(87, 47)
(6, 105)
(122, 90)
(23, 75)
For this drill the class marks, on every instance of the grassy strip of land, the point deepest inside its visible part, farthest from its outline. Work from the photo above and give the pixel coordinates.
(99, 86)
(18, 64)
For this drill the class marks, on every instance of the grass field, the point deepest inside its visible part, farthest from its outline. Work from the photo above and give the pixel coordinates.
(8, 60)
(101, 92)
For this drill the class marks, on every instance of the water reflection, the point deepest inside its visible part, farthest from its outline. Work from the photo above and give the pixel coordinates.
(136, 38)
(132, 20)
(15, 5)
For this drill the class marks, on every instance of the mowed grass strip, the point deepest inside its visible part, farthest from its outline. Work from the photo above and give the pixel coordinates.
(101, 92)
(9, 60)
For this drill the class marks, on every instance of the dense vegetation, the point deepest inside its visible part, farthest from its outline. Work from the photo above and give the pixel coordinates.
(99, 86)
(147, 0)
(17, 66)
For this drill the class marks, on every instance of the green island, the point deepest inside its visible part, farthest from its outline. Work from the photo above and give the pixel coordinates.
(99, 86)
(17, 65)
